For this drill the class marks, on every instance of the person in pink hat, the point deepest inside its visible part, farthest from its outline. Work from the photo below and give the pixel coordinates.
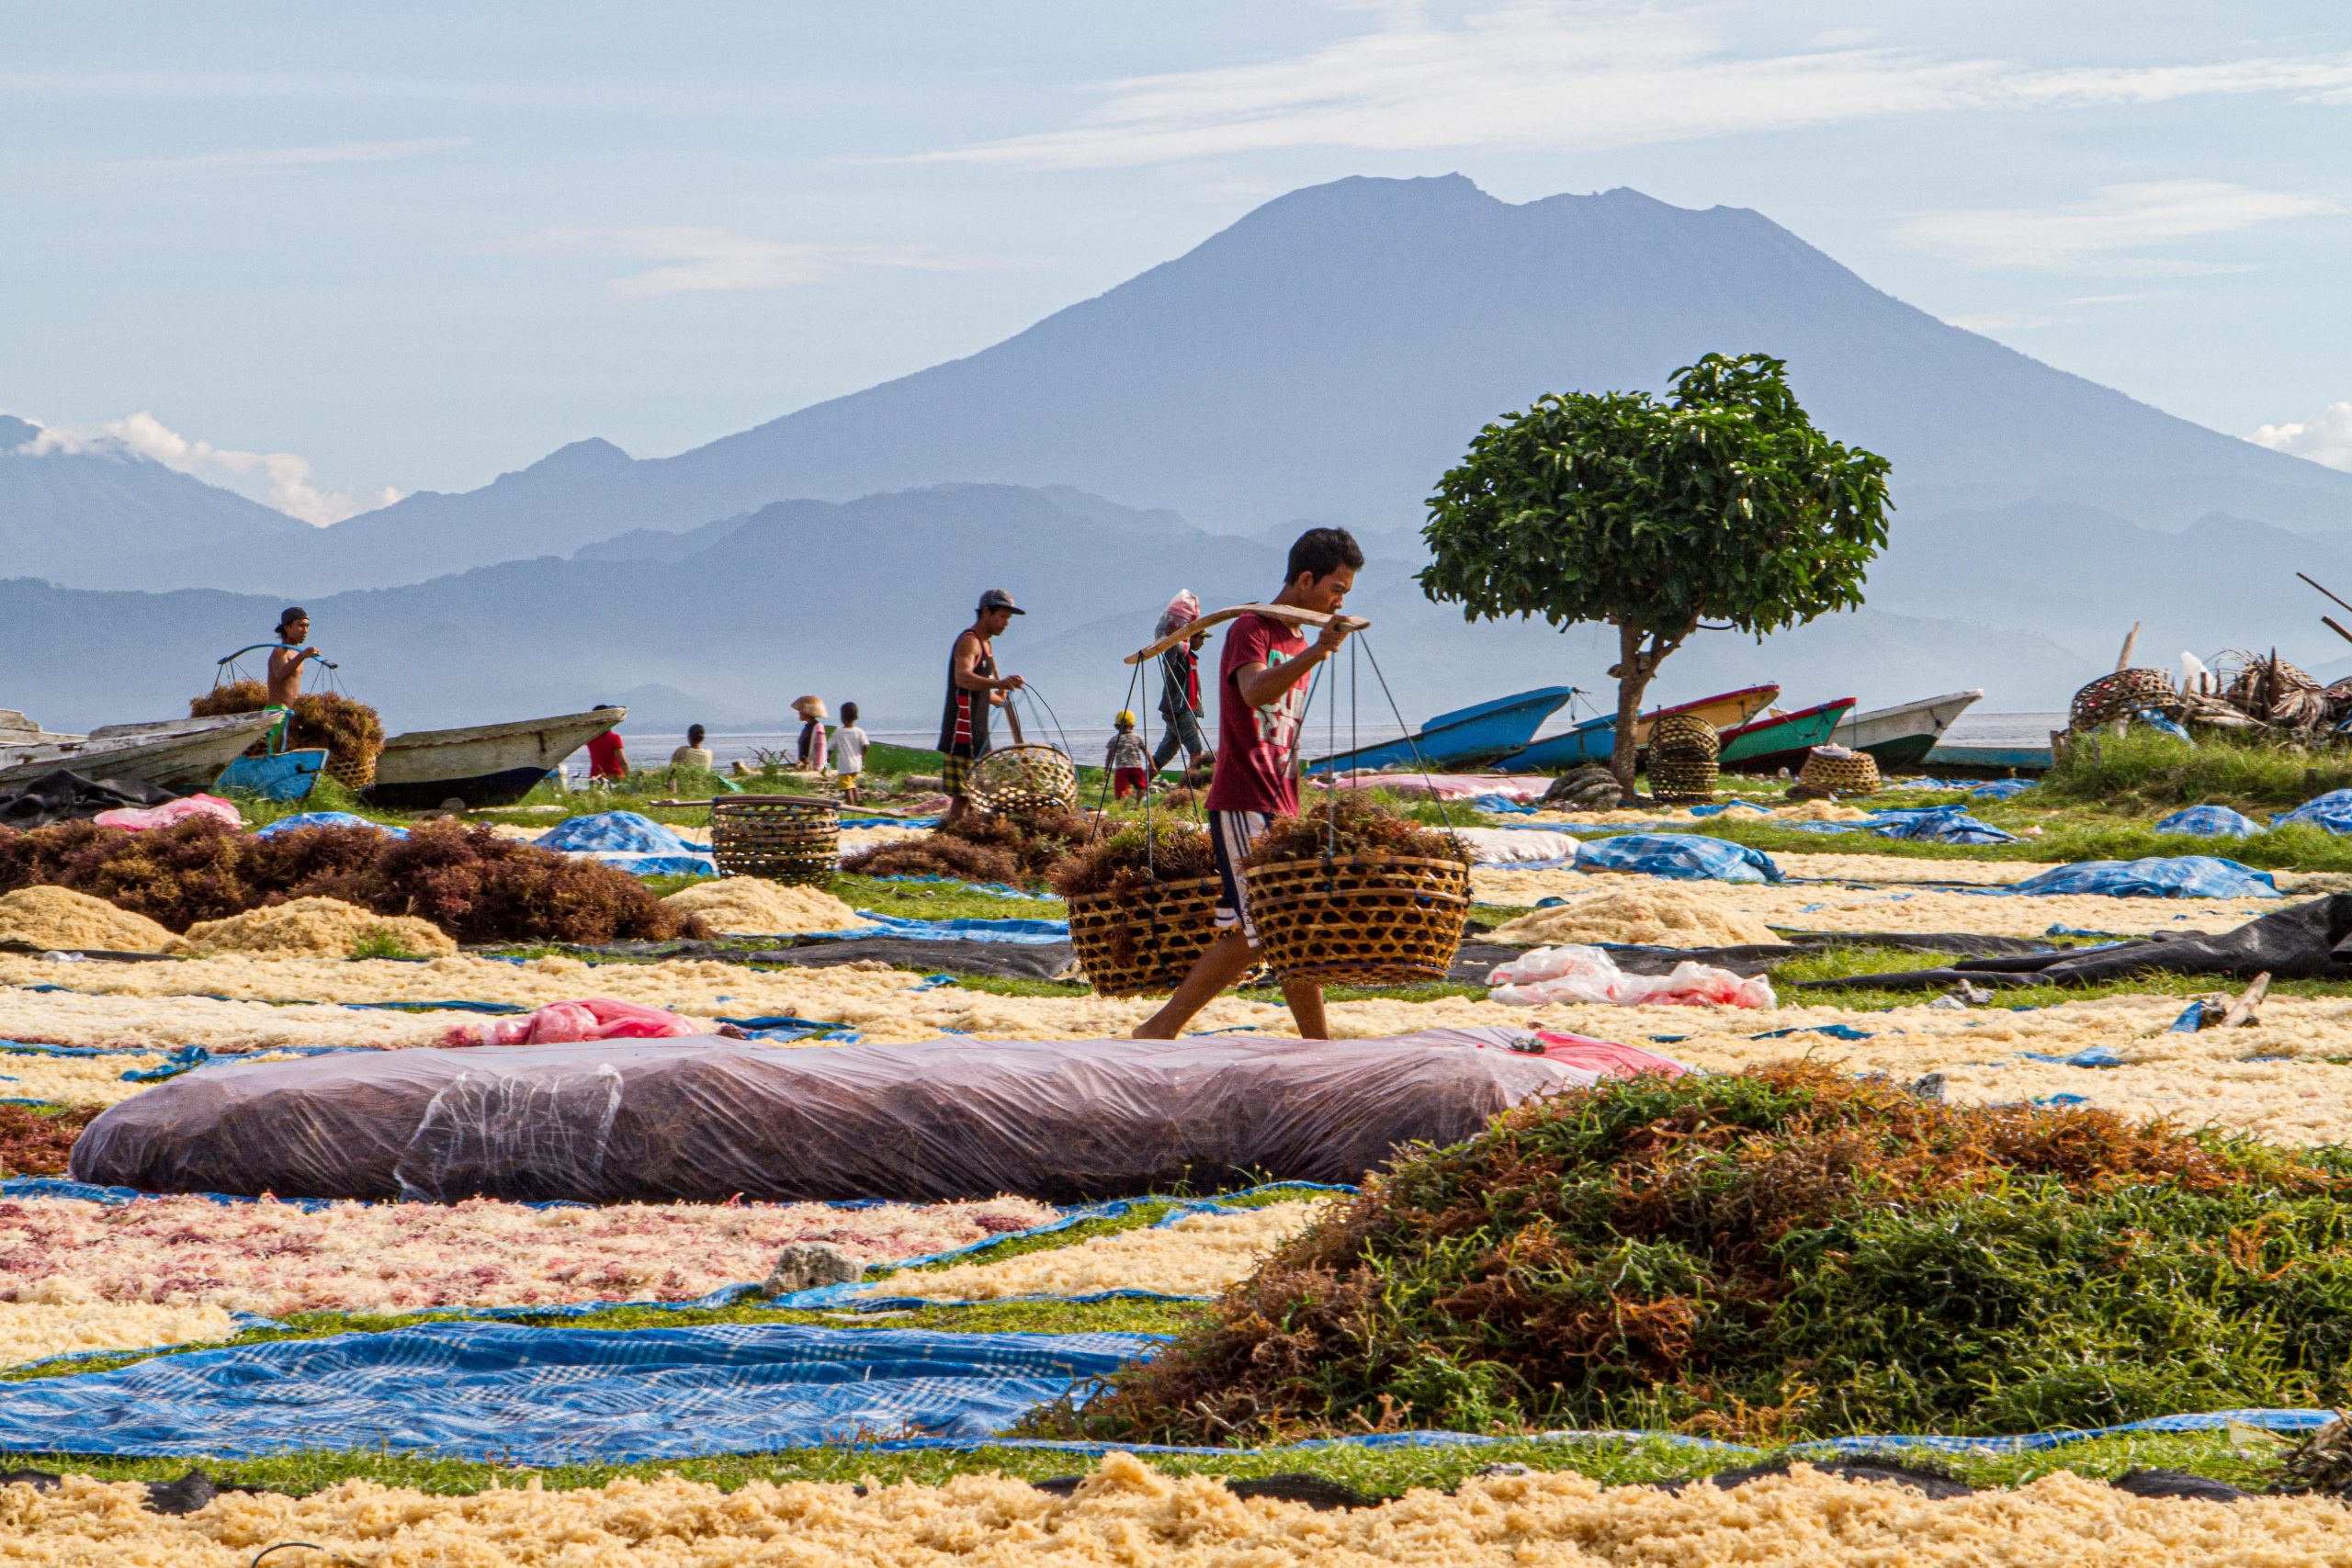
(1180, 686)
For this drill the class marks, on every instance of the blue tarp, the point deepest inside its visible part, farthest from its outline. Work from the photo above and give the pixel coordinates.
(1028, 933)
(493, 1391)
(2331, 812)
(1938, 825)
(2210, 822)
(1687, 857)
(325, 820)
(2002, 789)
(616, 832)
(2178, 877)
(1718, 810)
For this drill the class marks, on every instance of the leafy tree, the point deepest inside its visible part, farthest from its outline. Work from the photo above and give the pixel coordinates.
(1719, 503)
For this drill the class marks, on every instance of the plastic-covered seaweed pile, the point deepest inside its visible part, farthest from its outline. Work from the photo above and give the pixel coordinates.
(1783, 1253)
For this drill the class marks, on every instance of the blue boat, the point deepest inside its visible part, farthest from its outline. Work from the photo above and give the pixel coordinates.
(1466, 737)
(288, 776)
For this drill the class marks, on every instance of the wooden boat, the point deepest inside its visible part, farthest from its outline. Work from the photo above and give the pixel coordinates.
(286, 776)
(1780, 740)
(1595, 739)
(482, 764)
(1997, 743)
(175, 753)
(1901, 736)
(1465, 739)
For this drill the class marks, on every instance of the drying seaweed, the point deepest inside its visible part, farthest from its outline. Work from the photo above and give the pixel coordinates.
(472, 884)
(349, 731)
(983, 847)
(1778, 1253)
(1345, 823)
(35, 1141)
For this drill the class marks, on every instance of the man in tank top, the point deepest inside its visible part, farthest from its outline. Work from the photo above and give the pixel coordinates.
(974, 688)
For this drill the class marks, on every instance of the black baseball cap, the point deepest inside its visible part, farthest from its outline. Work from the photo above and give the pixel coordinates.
(997, 599)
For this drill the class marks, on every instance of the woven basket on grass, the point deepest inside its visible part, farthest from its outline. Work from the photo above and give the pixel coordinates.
(1827, 772)
(1024, 780)
(2121, 694)
(1134, 945)
(1685, 735)
(1683, 780)
(1367, 919)
(783, 838)
(354, 774)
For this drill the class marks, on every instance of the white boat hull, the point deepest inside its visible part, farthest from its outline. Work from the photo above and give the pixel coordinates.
(483, 764)
(1904, 734)
(185, 753)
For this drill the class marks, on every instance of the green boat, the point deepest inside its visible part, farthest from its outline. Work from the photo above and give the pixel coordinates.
(1780, 740)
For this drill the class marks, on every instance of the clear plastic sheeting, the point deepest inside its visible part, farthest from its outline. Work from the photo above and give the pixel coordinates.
(1581, 973)
(705, 1119)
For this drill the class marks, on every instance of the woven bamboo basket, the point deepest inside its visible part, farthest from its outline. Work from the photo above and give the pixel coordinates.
(1360, 919)
(1683, 780)
(783, 838)
(1685, 735)
(354, 773)
(1023, 780)
(1824, 771)
(1134, 945)
(2123, 692)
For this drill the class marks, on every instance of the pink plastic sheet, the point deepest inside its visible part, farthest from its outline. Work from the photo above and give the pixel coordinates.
(598, 1018)
(139, 818)
(701, 1120)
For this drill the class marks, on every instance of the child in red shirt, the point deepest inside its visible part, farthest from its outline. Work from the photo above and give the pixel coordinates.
(1261, 691)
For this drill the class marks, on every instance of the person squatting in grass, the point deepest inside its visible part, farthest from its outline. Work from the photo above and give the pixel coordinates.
(1262, 687)
(973, 689)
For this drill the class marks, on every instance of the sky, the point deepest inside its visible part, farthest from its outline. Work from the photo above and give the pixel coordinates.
(330, 254)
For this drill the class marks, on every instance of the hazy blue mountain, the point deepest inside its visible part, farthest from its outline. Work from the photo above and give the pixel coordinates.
(102, 515)
(1328, 355)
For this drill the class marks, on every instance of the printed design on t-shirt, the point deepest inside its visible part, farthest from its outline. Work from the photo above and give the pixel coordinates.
(1279, 720)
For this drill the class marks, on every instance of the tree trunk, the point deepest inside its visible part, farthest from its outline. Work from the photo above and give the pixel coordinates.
(1633, 672)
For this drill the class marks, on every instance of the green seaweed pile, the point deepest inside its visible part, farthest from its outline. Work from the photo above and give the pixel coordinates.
(1779, 1254)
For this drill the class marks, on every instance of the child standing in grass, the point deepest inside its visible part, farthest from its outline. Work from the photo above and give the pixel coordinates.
(848, 753)
(1126, 759)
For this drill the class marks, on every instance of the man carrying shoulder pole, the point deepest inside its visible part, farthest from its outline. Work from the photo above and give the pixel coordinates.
(1261, 691)
(974, 689)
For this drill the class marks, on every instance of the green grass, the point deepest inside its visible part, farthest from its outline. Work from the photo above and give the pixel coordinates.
(1377, 1471)
(2145, 768)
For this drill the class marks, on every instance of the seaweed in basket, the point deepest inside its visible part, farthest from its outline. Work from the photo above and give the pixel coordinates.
(349, 731)
(1343, 822)
(983, 847)
(1136, 858)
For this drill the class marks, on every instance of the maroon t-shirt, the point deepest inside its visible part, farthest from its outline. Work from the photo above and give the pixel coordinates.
(1255, 746)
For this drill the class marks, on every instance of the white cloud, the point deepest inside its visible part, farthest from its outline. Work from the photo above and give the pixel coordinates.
(2325, 438)
(2099, 233)
(1581, 76)
(279, 480)
(259, 160)
(709, 261)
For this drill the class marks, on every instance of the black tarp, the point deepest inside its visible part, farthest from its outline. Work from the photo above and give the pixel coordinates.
(701, 1120)
(63, 795)
(2305, 942)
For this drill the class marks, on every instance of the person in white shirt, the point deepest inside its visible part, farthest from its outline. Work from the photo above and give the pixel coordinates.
(694, 753)
(848, 753)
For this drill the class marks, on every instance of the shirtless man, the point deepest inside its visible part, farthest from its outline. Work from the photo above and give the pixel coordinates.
(286, 663)
(973, 689)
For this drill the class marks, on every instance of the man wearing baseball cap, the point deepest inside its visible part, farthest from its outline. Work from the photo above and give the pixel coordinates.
(973, 689)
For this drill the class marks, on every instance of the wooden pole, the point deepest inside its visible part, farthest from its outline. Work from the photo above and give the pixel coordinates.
(2124, 659)
(2308, 578)
(2332, 624)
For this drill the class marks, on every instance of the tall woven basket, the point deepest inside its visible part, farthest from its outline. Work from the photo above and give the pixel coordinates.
(1825, 771)
(1025, 780)
(353, 771)
(783, 838)
(1683, 752)
(1141, 944)
(2122, 693)
(1369, 919)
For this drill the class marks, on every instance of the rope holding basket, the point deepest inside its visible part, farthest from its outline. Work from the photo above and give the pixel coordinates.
(1360, 919)
(1026, 780)
(783, 837)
